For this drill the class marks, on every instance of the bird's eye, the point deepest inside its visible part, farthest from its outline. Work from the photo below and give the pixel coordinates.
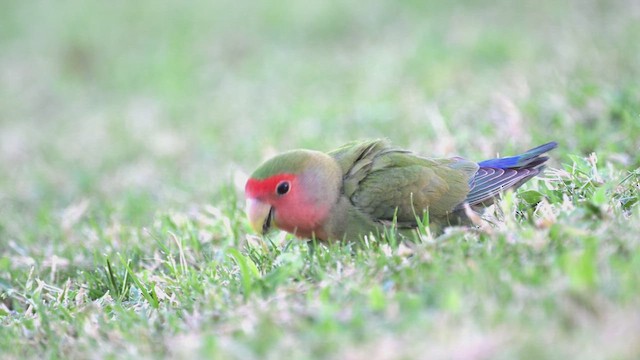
(283, 187)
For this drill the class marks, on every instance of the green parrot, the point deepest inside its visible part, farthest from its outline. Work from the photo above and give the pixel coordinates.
(361, 187)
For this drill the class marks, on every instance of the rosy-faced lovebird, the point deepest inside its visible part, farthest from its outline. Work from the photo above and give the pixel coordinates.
(361, 187)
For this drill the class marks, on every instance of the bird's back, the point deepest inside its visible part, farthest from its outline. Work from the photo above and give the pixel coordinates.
(389, 184)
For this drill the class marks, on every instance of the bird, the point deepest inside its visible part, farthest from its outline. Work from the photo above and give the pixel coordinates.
(366, 186)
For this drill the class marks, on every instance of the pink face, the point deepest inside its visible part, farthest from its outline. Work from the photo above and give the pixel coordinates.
(290, 206)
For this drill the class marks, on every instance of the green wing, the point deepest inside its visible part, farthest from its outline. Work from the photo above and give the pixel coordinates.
(384, 182)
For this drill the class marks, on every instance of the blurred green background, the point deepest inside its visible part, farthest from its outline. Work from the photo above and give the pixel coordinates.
(113, 114)
(145, 104)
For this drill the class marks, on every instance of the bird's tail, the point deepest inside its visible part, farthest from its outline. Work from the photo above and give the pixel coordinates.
(529, 159)
(497, 175)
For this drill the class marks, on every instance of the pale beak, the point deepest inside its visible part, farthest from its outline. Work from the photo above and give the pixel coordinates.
(260, 215)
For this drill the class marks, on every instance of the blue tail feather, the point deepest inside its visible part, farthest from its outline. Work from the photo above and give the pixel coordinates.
(497, 175)
(529, 159)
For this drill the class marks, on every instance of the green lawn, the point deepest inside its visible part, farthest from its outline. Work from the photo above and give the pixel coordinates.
(127, 130)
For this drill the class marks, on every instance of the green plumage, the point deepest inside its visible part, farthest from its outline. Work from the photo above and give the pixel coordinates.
(377, 184)
(386, 184)
(364, 186)
(382, 180)
(290, 162)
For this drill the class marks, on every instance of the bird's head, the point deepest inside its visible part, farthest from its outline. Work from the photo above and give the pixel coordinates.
(293, 191)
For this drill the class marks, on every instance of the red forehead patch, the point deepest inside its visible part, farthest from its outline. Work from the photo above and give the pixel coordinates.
(261, 187)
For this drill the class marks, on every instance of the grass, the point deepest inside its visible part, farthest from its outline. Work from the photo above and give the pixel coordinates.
(127, 130)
